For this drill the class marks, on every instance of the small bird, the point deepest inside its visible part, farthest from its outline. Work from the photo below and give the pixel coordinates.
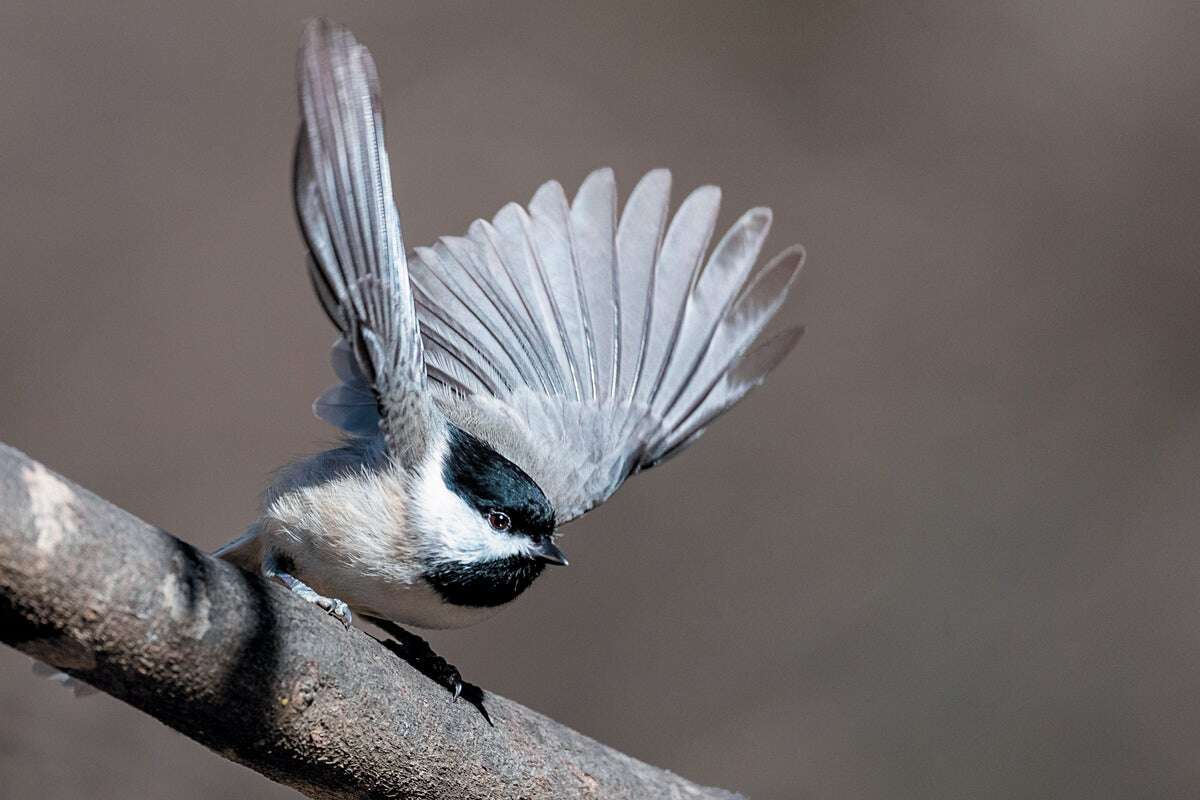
(497, 385)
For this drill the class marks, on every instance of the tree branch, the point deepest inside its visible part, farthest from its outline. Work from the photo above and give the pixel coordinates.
(262, 678)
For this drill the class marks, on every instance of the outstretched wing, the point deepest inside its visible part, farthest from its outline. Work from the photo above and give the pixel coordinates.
(586, 348)
(344, 201)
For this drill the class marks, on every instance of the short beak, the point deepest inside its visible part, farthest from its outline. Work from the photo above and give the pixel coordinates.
(547, 552)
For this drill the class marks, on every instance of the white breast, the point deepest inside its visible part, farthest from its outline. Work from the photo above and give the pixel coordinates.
(365, 537)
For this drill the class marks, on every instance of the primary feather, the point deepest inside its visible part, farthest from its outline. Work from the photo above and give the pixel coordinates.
(343, 191)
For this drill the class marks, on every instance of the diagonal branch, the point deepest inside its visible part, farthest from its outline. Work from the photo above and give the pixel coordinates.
(255, 674)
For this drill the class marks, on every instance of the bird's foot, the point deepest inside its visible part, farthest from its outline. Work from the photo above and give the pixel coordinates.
(334, 607)
(421, 657)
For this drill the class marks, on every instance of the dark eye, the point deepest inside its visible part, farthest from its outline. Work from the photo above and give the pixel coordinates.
(499, 520)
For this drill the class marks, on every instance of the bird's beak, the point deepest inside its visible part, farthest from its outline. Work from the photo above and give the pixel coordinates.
(547, 552)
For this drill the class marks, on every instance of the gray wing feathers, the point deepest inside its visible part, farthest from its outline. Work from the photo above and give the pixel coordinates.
(352, 404)
(583, 345)
(712, 293)
(737, 327)
(506, 242)
(609, 345)
(747, 372)
(344, 201)
(592, 228)
(548, 229)
(639, 236)
(674, 273)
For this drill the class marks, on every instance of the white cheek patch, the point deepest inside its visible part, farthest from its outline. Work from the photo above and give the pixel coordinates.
(451, 530)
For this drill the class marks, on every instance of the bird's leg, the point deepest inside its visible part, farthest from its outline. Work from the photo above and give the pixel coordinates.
(421, 657)
(336, 608)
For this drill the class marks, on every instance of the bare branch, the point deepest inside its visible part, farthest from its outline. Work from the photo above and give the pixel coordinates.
(248, 670)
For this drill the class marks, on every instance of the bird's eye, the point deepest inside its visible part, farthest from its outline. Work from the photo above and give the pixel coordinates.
(499, 520)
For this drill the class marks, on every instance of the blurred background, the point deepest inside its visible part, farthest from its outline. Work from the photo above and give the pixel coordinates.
(950, 550)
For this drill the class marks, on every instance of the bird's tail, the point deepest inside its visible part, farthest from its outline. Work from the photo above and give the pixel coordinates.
(244, 551)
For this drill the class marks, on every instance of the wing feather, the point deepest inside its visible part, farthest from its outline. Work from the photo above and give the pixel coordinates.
(739, 326)
(344, 201)
(582, 344)
(508, 235)
(592, 227)
(750, 371)
(639, 236)
(716, 287)
(451, 320)
(623, 341)
(674, 274)
(486, 287)
(511, 277)
(548, 231)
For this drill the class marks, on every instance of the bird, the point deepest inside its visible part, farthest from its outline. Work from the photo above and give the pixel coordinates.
(493, 386)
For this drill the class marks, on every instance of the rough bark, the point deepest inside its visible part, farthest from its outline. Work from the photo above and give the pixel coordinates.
(260, 677)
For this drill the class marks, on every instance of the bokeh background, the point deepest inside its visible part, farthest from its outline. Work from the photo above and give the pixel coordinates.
(949, 551)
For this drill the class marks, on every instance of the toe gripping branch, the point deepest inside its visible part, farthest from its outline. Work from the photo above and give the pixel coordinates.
(408, 646)
(417, 653)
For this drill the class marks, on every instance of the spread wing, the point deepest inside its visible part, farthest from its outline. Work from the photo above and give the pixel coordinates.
(357, 261)
(585, 348)
(582, 347)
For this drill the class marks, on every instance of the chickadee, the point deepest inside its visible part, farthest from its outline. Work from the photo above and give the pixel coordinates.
(498, 385)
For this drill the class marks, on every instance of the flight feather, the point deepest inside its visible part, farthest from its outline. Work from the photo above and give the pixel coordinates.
(343, 194)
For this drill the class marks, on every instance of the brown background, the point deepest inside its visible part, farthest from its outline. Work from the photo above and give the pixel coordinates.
(950, 551)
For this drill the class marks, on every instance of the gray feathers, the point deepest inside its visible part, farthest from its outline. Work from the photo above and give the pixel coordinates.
(344, 201)
(607, 347)
(352, 404)
(581, 344)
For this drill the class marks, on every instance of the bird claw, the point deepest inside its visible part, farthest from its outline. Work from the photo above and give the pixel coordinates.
(421, 657)
(337, 609)
(334, 607)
